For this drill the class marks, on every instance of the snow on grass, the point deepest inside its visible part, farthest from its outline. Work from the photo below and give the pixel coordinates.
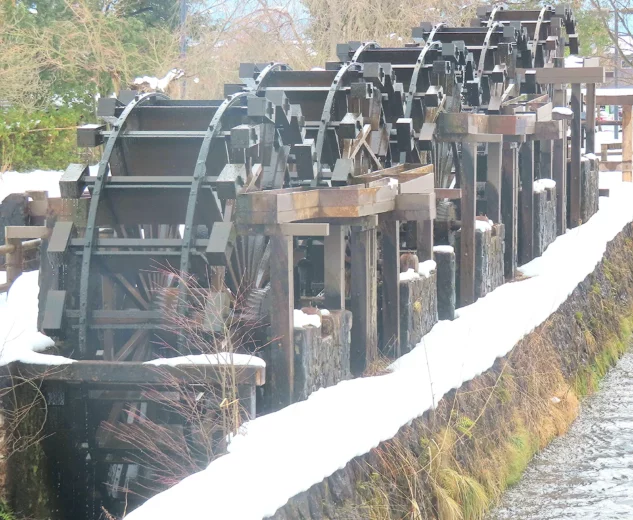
(19, 338)
(347, 420)
(39, 180)
(220, 358)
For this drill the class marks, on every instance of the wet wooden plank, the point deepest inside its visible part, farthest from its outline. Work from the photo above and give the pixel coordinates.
(590, 101)
(509, 209)
(559, 168)
(281, 321)
(390, 242)
(627, 142)
(526, 203)
(468, 213)
(334, 264)
(493, 182)
(364, 347)
(574, 188)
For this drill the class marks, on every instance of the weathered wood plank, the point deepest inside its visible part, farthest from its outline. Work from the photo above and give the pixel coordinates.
(468, 213)
(390, 241)
(334, 265)
(282, 321)
(627, 141)
(364, 347)
(590, 101)
(526, 215)
(509, 210)
(493, 182)
(574, 188)
(559, 168)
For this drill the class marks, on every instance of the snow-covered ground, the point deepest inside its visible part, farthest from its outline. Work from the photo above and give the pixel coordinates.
(308, 441)
(347, 420)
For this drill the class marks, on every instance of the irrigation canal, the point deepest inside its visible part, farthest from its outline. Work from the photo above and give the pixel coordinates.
(587, 473)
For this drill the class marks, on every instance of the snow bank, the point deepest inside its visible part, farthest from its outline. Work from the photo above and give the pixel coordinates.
(43, 180)
(542, 184)
(347, 420)
(19, 338)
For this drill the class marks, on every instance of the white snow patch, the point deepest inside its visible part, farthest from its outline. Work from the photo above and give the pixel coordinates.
(410, 274)
(542, 184)
(393, 183)
(349, 419)
(426, 268)
(564, 111)
(301, 319)
(19, 338)
(591, 156)
(41, 180)
(483, 226)
(324, 312)
(443, 249)
(220, 358)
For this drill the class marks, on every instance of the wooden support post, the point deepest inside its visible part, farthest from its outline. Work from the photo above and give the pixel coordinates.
(467, 239)
(574, 188)
(424, 239)
(493, 183)
(281, 375)
(627, 142)
(364, 347)
(559, 168)
(590, 118)
(509, 210)
(526, 215)
(14, 259)
(545, 159)
(334, 265)
(390, 241)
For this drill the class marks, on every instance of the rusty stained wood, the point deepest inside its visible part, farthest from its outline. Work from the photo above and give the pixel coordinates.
(509, 207)
(334, 266)
(390, 242)
(575, 178)
(364, 345)
(468, 213)
(281, 321)
(493, 182)
(627, 142)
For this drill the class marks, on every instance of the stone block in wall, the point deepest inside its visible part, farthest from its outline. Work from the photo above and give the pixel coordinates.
(322, 356)
(544, 214)
(446, 297)
(589, 189)
(418, 308)
(489, 249)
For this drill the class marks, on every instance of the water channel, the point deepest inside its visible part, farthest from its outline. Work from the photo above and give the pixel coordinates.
(588, 473)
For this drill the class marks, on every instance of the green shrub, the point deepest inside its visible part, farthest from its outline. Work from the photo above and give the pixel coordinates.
(43, 139)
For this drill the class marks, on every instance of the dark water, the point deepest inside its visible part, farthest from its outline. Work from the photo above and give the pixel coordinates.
(588, 473)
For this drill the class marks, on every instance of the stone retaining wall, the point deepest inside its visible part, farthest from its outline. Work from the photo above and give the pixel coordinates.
(418, 309)
(568, 343)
